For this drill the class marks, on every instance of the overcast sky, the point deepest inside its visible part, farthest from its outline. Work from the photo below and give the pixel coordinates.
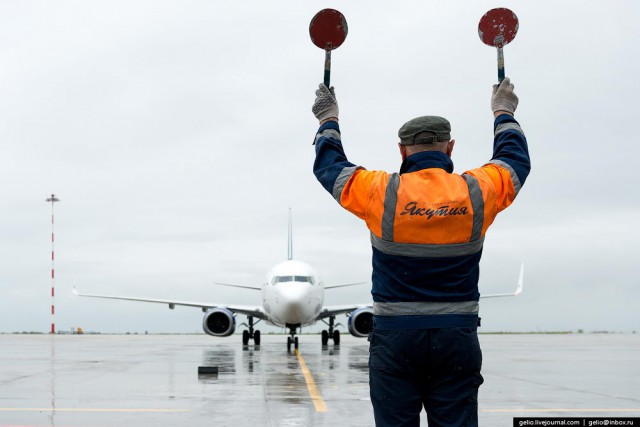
(177, 133)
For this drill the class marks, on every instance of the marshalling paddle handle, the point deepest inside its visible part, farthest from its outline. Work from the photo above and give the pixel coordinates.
(327, 67)
(500, 65)
(327, 72)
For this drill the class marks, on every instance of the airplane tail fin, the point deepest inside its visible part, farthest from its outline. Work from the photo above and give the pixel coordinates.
(290, 240)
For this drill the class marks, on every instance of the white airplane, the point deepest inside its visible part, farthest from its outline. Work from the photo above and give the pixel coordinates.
(292, 297)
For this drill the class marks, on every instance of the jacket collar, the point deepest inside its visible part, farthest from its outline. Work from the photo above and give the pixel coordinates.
(426, 160)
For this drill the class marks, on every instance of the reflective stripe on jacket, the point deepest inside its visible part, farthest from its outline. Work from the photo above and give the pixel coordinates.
(427, 223)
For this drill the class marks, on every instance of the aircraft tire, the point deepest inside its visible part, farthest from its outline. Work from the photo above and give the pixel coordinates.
(295, 343)
(245, 337)
(256, 337)
(325, 337)
(336, 337)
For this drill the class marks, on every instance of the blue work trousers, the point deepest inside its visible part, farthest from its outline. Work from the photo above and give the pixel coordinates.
(435, 368)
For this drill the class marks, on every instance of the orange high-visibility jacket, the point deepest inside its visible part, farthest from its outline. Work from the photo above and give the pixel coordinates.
(427, 223)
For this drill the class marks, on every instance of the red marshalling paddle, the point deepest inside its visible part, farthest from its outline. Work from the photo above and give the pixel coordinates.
(497, 28)
(328, 30)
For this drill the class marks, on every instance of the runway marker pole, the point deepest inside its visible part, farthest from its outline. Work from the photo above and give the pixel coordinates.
(52, 200)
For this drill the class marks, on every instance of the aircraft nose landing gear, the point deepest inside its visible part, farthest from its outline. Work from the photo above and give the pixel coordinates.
(292, 339)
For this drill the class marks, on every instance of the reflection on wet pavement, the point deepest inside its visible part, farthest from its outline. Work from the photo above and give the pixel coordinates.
(153, 381)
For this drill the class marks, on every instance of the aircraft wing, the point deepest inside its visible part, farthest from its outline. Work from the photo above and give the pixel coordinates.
(246, 310)
(255, 288)
(334, 310)
(343, 285)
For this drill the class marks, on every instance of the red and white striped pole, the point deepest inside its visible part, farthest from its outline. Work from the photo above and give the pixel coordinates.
(52, 200)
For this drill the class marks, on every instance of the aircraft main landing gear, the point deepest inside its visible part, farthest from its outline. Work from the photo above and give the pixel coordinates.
(250, 334)
(332, 333)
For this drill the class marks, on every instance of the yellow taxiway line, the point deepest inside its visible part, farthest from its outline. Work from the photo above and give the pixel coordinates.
(318, 401)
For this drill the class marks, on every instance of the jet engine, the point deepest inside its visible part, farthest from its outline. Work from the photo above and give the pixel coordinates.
(361, 322)
(219, 322)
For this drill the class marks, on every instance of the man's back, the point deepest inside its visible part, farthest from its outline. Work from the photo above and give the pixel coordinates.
(427, 223)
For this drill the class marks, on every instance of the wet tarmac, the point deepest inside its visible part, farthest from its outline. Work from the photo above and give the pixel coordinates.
(152, 380)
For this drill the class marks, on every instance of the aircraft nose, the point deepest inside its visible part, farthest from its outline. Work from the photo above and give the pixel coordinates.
(293, 292)
(294, 302)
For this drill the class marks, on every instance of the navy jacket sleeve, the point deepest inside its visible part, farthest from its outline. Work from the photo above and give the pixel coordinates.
(510, 146)
(330, 161)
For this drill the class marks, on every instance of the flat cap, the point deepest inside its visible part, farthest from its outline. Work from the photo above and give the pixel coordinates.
(425, 130)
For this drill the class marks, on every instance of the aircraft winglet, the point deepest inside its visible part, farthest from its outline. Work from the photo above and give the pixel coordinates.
(518, 290)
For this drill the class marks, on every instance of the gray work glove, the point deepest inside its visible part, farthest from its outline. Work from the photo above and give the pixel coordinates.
(503, 98)
(326, 105)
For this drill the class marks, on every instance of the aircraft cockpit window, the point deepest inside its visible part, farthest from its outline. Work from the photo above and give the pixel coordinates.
(280, 279)
(307, 279)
